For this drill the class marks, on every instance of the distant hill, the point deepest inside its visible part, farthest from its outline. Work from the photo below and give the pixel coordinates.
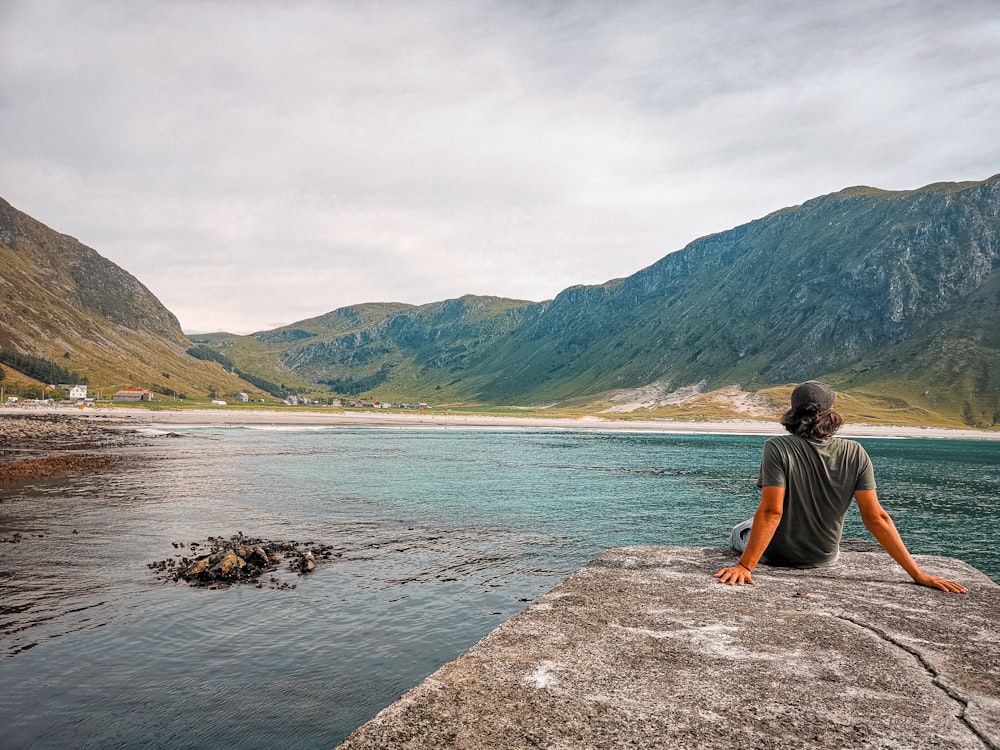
(891, 296)
(63, 302)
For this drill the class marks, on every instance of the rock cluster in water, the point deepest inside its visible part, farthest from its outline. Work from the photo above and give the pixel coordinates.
(221, 562)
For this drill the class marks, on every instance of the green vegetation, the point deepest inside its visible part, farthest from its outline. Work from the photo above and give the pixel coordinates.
(38, 368)
(279, 391)
(211, 355)
(206, 353)
(352, 386)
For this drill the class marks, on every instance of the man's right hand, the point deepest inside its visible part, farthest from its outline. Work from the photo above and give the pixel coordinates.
(737, 575)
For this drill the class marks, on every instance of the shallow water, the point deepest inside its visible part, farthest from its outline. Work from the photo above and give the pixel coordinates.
(443, 533)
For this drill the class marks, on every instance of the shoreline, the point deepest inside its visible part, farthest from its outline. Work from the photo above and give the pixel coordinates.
(224, 417)
(43, 444)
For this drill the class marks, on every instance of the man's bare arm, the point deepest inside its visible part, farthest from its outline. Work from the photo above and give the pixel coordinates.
(765, 523)
(881, 526)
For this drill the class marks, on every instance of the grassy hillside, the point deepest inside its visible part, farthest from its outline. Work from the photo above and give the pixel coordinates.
(62, 301)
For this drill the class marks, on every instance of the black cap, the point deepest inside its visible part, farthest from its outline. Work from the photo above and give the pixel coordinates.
(813, 393)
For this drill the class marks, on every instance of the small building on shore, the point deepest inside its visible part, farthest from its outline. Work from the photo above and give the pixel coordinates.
(132, 394)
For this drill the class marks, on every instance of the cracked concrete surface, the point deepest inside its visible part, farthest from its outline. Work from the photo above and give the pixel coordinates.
(642, 648)
(933, 675)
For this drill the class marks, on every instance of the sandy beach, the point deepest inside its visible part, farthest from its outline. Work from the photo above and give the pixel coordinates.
(237, 417)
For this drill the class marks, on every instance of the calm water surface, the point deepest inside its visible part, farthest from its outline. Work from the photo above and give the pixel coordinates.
(444, 534)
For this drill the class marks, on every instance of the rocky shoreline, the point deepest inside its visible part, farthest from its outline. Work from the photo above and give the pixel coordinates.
(34, 446)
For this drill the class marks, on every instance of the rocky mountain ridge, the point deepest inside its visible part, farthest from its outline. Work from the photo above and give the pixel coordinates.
(890, 292)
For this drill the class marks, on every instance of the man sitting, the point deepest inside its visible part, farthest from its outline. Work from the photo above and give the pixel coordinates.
(807, 480)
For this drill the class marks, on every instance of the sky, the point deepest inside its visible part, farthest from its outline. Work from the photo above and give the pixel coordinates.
(255, 163)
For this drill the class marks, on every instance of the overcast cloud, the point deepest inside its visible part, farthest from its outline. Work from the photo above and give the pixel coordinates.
(257, 163)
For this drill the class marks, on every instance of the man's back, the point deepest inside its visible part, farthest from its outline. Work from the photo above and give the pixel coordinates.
(819, 479)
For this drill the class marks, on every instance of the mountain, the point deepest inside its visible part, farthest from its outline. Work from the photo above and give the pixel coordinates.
(444, 348)
(893, 296)
(64, 303)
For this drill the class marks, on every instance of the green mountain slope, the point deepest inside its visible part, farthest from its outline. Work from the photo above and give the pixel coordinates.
(805, 291)
(890, 293)
(62, 301)
(402, 352)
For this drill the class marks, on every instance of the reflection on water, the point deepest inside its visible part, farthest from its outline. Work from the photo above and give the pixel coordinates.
(443, 535)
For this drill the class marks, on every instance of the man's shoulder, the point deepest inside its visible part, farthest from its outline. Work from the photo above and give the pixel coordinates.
(847, 450)
(784, 440)
(785, 448)
(846, 444)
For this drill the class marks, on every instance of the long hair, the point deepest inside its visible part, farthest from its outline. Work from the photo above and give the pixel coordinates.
(811, 422)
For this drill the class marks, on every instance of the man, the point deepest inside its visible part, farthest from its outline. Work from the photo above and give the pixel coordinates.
(807, 480)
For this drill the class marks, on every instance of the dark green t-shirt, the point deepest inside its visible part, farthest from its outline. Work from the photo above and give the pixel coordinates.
(820, 480)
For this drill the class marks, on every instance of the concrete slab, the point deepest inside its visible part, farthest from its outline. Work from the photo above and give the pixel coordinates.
(642, 648)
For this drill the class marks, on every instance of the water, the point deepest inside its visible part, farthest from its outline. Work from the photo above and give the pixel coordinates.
(443, 534)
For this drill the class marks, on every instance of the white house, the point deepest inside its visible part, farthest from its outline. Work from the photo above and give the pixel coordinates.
(77, 392)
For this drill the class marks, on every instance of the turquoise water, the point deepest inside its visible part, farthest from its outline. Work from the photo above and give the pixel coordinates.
(443, 533)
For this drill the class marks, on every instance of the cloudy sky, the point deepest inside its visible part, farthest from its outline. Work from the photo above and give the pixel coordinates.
(256, 163)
